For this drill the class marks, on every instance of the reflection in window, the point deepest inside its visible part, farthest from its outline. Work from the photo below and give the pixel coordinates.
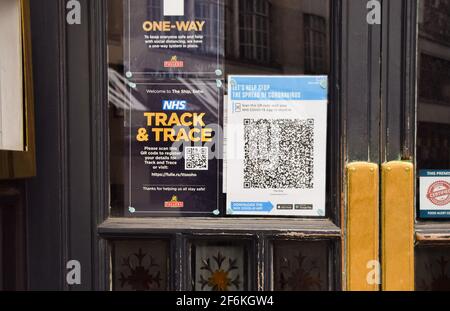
(315, 43)
(433, 106)
(277, 36)
(434, 20)
(254, 30)
(433, 150)
(433, 269)
(207, 10)
(154, 10)
(435, 79)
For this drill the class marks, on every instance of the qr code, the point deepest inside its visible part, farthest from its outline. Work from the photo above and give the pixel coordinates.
(196, 158)
(278, 154)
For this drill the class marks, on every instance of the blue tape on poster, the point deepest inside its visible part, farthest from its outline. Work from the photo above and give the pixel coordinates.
(252, 206)
(279, 88)
(435, 173)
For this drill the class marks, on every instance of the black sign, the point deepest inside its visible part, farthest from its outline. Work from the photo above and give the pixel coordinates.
(172, 153)
(173, 37)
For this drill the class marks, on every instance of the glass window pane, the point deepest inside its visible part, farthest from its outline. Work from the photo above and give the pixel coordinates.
(280, 23)
(263, 37)
(222, 266)
(433, 268)
(140, 265)
(433, 110)
(300, 266)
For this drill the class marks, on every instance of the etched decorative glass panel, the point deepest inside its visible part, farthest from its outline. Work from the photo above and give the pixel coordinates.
(219, 267)
(300, 266)
(140, 265)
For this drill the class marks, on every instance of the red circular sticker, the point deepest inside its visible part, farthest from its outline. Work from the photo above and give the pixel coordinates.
(439, 193)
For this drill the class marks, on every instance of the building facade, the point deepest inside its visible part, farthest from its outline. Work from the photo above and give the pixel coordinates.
(63, 202)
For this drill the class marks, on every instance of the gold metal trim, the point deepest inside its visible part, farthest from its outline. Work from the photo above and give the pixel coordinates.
(398, 226)
(362, 238)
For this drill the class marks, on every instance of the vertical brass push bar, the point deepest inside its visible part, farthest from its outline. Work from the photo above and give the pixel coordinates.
(397, 226)
(362, 229)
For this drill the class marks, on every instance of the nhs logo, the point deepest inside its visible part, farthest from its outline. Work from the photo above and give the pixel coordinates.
(174, 104)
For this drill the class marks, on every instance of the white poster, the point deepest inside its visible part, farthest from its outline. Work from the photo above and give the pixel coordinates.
(11, 99)
(435, 194)
(276, 145)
